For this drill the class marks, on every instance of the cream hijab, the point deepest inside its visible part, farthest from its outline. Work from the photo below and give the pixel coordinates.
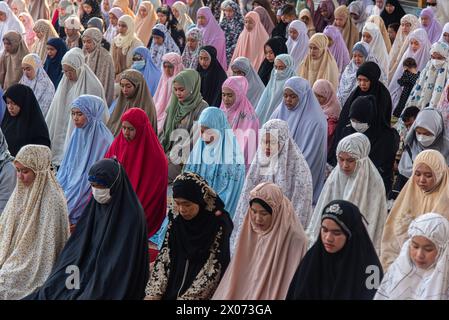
(145, 25)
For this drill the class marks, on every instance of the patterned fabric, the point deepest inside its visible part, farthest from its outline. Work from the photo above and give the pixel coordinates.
(189, 56)
(231, 27)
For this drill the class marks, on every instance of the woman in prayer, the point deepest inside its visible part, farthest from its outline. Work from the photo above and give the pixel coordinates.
(134, 93)
(224, 169)
(145, 20)
(272, 48)
(8, 23)
(44, 32)
(34, 225)
(242, 67)
(212, 75)
(145, 65)
(66, 10)
(280, 161)
(180, 9)
(427, 191)
(377, 20)
(232, 24)
(307, 125)
(371, 35)
(347, 27)
(430, 24)
(335, 267)
(271, 244)
(325, 94)
(184, 108)
(167, 19)
(18, 6)
(56, 49)
(111, 232)
(392, 12)
(23, 122)
(337, 47)
(251, 40)
(35, 77)
(324, 15)
(11, 59)
(88, 144)
(39, 9)
(112, 30)
(124, 6)
(298, 41)
(171, 67)
(162, 43)
(28, 23)
(265, 19)
(420, 272)
(8, 173)
(272, 94)
(78, 79)
(99, 60)
(357, 10)
(141, 155)
(195, 252)
(319, 62)
(124, 44)
(241, 115)
(89, 9)
(192, 49)
(306, 16)
(352, 180)
(193, 6)
(73, 29)
(212, 34)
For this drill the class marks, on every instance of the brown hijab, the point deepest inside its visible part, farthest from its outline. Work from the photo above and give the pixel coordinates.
(349, 32)
(11, 62)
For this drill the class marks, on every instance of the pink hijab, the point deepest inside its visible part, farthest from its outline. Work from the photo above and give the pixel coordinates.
(251, 43)
(213, 35)
(242, 117)
(30, 35)
(164, 88)
(331, 107)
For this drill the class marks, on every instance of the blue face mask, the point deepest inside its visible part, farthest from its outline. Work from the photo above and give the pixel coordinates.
(138, 65)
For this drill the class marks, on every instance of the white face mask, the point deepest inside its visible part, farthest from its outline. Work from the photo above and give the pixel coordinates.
(437, 63)
(359, 127)
(425, 141)
(102, 196)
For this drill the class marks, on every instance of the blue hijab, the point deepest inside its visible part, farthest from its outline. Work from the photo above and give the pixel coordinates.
(87, 145)
(53, 66)
(308, 127)
(150, 72)
(220, 163)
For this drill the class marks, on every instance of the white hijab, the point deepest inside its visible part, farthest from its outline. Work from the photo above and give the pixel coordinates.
(377, 45)
(356, 188)
(298, 48)
(12, 23)
(58, 119)
(404, 280)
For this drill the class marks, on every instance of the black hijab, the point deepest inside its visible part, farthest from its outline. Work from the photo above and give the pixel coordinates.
(29, 126)
(397, 14)
(109, 245)
(383, 104)
(277, 44)
(192, 239)
(96, 12)
(212, 78)
(341, 275)
(53, 66)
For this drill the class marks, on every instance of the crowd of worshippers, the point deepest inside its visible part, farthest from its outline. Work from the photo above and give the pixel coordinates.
(206, 149)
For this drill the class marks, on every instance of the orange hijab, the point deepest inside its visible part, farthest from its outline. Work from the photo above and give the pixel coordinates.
(124, 5)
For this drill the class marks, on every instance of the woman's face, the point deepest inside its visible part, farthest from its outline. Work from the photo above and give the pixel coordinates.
(238, 72)
(291, 99)
(127, 88)
(249, 24)
(169, 69)
(175, 13)
(406, 28)
(314, 51)
(162, 18)
(69, 72)
(332, 236)
(293, 33)
(347, 163)
(187, 209)
(269, 54)
(204, 59)
(201, 20)
(389, 8)
(28, 71)
(423, 252)
(88, 44)
(180, 91)
(414, 45)
(13, 108)
(122, 28)
(192, 43)
(2, 16)
(87, 8)
(227, 97)
(39, 34)
(305, 19)
(228, 13)
(8, 46)
(321, 99)
(113, 19)
(208, 135)
(358, 58)
(106, 5)
(367, 37)
(129, 131)
(339, 22)
(425, 21)
(51, 51)
(143, 12)
(158, 40)
(24, 174)
(79, 119)
(446, 36)
(71, 32)
(324, 12)
(261, 219)
(424, 177)
(15, 9)
(364, 83)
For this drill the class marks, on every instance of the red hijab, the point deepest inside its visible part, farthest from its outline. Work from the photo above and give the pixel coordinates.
(146, 166)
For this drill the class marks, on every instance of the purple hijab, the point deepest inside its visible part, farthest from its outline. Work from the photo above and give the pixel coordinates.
(434, 30)
(321, 22)
(213, 35)
(338, 48)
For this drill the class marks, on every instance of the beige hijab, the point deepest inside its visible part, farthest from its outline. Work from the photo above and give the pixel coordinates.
(39, 9)
(324, 67)
(349, 32)
(40, 45)
(34, 227)
(142, 99)
(377, 20)
(11, 63)
(100, 61)
(264, 262)
(413, 202)
(310, 26)
(145, 25)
